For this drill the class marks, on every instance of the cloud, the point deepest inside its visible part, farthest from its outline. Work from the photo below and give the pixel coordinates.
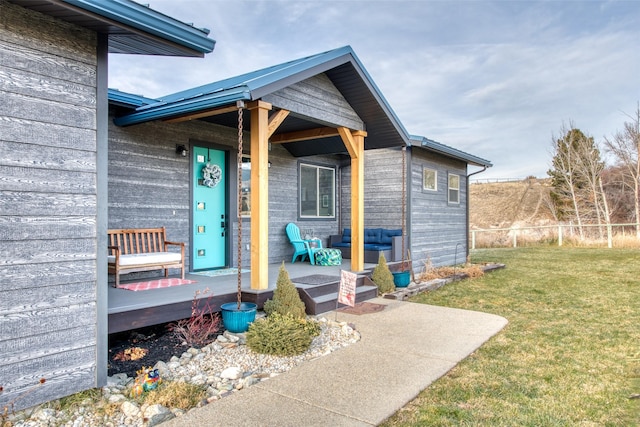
(495, 79)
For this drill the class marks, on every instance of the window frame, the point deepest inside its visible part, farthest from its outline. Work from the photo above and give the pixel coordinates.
(321, 199)
(435, 179)
(246, 161)
(449, 189)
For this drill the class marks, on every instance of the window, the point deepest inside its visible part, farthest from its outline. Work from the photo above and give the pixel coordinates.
(454, 188)
(317, 191)
(429, 179)
(246, 187)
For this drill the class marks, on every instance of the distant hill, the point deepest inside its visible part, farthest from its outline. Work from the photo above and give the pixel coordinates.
(505, 204)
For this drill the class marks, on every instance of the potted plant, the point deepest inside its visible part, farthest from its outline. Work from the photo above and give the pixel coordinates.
(238, 315)
(402, 277)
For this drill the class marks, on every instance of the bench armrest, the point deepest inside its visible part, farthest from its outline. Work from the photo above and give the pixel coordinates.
(335, 238)
(180, 244)
(396, 248)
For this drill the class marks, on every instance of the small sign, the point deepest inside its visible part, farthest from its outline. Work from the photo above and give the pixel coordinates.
(347, 292)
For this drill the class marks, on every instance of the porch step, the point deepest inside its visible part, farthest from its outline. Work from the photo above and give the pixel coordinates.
(323, 297)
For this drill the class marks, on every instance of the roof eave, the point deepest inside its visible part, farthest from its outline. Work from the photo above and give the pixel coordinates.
(158, 111)
(451, 152)
(124, 18)
(150, 21)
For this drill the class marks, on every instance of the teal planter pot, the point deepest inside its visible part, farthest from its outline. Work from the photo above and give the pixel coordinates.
(402, 279)
(238, 320)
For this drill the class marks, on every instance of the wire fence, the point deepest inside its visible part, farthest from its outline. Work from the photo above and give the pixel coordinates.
(590, 234)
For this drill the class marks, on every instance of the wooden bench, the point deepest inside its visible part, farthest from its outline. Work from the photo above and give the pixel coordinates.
(142, 249)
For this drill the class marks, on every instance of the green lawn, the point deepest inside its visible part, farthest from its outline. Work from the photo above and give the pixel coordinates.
(570, 355)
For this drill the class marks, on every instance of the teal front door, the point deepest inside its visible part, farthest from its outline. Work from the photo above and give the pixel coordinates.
(209, 209)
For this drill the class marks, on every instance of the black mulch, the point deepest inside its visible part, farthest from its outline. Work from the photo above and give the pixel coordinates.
(158, 340)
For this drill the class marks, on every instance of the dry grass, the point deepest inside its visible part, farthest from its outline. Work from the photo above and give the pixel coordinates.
(569, 356)
(431, 273)
(176, 394)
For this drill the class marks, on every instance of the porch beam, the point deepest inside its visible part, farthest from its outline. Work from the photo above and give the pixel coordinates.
(260, 194)
(202, 114)
(354, 142)
(304, 135)
(276, 120)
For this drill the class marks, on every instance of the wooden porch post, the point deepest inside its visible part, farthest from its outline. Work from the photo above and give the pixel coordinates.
(259, 194)
(354, 141)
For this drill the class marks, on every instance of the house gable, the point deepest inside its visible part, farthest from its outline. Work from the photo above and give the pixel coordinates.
(317, 99)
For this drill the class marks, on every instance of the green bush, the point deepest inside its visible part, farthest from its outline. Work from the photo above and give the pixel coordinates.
(382, 276)
(286, 300)
(280, 335)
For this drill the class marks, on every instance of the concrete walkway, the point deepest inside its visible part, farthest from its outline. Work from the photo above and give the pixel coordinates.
(403, 349)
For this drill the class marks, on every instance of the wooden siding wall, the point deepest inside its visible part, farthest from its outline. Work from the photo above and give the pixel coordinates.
(149, 182)
(317, 97)
(149, 185)
(434, 227)
(283, 202)
(47, 207)
(382, 190)
(438, 228)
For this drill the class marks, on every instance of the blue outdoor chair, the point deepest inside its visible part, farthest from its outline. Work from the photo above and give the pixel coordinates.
(301, 248)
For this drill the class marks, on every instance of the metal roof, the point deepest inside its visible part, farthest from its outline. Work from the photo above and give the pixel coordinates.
(124, 99)
(431, 145)
(131, 27)
(341, 65)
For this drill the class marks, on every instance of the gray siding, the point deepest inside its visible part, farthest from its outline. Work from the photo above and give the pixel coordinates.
(283, 202)
(435, 228)
(149, 185)
(47, 207)
(317, 97)
(438, 228)
(149, 182)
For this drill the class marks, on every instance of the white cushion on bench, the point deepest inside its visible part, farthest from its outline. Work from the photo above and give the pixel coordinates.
(146, 258)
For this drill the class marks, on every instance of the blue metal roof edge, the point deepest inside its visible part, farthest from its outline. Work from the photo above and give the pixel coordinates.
(161, 109)
(256, 84)
(150, 21)
(438, 147)
(128, 99)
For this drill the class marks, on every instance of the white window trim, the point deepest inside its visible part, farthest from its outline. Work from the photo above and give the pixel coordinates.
(319, 201)
(449, 188)
(435, 173)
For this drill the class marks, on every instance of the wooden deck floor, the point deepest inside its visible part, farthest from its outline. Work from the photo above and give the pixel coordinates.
(131, 310)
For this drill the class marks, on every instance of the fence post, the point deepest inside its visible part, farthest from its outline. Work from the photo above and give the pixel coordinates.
(515, 238)
(473, 239)
(609, 237)
(559, 234)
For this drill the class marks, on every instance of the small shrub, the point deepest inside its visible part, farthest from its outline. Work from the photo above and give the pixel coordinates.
(197, 329)
(175, 394)
(286, 300)
(280, 335)
(382, 276)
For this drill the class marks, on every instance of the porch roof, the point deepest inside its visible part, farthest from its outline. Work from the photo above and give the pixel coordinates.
(343, 68)
(431, 145)
(130, 27)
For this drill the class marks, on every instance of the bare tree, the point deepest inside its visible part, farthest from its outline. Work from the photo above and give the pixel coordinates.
(575, 176)
(625, 147)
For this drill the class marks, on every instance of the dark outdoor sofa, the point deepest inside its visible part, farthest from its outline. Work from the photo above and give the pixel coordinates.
(376, 240)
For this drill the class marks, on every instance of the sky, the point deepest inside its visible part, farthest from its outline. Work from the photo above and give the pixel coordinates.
(496, 79)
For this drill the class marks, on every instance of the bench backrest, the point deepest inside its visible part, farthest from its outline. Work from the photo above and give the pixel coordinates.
(137, 240)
